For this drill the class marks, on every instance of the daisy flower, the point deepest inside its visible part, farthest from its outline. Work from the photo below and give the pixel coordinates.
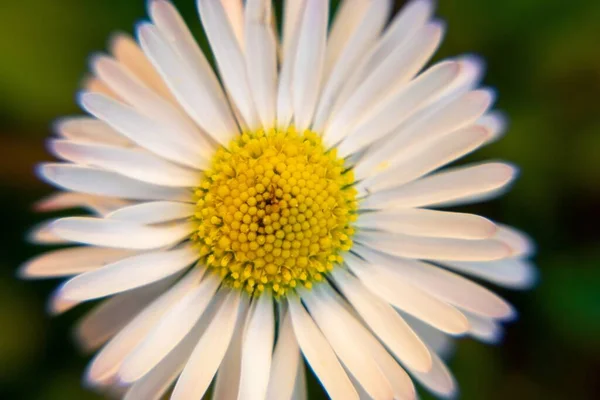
(283, 207)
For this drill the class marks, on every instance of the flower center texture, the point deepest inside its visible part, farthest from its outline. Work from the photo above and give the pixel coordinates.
(275, 211)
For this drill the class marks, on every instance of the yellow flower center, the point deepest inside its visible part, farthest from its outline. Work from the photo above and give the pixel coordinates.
(274, 211)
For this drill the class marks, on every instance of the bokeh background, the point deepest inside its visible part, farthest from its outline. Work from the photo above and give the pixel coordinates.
(543, 57)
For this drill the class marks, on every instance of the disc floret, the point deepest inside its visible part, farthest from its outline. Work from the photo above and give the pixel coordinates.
(275, 211)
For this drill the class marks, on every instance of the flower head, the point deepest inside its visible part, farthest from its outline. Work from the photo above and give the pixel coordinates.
(286, 202)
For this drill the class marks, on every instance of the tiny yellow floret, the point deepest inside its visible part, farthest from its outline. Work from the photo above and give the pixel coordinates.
(275, 210)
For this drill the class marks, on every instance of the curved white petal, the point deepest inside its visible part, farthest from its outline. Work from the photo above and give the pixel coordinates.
(444, 186)
(257, 349)
(428, 223)
(71, 261)
(150, 134)
(209, 352)
(426, 159)
(399, 380)
(439, 380)
(130, 273)
(400, 32)
(155, 383)
(485, 329)
(396, 70)
(432, 248)
(309, 62)
(395, 108)
(421, 128)
(384, 322)
(186, 71)
(227, 382)
(152, 105)
(63, 200)
(319, 354)
(95, 181)
(86, 129)
(112, 315)
(170, 331)
(355, 29)
(135, 164)
(153, 212)
(229, 58)
(42, 234)
(106, 363)
(261, 59)
(126, 50)
(120, 234)
(408, 298)
(512, 273)
(446, 286)
(293, 12)
(285, 366)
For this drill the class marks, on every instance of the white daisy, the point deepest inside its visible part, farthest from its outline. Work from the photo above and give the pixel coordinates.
(279, 205)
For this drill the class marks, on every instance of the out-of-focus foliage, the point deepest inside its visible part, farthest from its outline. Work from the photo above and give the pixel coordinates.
(543, 58)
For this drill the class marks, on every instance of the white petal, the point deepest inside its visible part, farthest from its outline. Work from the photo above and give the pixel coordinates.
(309, 62)
(120, 234)
(439, 380)
(355, 29)
(105, 183)
(187, 72)
(396, 107)
(408, 298)
(293, 12)
(108, 318)
(446, 286)
(86, 129)
(444, 186)
(64, 200)
(495, 122)
(428, 223)
(130, 273)
(257, 349)
(437, 341)
(261, 59)
(395, 71)
(107, 362)
(235, 13)
(229, 58)
(169, 332)
(484, 329)
(286, 362)
(209, 352)
(521, 244)
(421, 128)
(227, 381)
(512, 273)
(135, 164)
(318, 353)
(402, 30)
(153, 212)
(429, 248)
(399, 380)
(95, 85)
(149, 134)
(155, 383)
(125, 49)
(71, 261)
(426, 159)
(150, 104)
(300, 390)
(384, 322)
(42, 234)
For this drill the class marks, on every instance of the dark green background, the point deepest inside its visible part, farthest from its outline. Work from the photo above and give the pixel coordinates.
(543, 57)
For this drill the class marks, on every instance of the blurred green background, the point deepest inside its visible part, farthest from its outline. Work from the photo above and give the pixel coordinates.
(543, 57)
